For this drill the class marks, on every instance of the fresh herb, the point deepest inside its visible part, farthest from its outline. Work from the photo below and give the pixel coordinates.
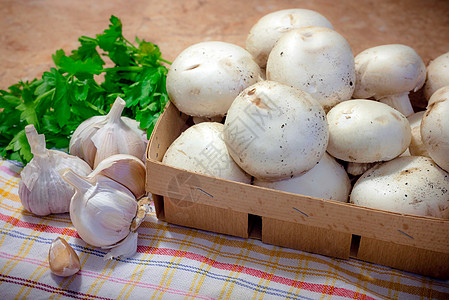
(81, 86)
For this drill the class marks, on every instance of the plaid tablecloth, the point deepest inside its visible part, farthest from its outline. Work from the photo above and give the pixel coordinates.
(174, 262)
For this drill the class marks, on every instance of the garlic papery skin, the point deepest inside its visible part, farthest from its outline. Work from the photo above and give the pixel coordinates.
(115, 137)
(42, 190)
(126, 248)
(101, 209)
(126, 169)
(102, 136)
(81, 144)
(135, 126)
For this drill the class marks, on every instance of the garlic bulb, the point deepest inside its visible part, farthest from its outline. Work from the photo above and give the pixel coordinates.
(42, 190)
(104, 212)
(126, 169)
(102, 136)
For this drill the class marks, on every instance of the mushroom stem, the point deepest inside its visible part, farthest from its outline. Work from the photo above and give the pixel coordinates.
(400, 102)
(356, 169)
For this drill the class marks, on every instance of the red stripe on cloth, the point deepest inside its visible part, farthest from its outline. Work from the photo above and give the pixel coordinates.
(8, 171)
(38, 227)
(313, 287)
(47, 288)
(94, 275)
(319, 288)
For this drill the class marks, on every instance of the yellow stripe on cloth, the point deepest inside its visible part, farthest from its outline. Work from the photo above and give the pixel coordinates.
(204, 268)
(26, 247)
(139, 271)
(235, 272)
(103, 277)
(296, 289)
(167, 276)
(265, 280)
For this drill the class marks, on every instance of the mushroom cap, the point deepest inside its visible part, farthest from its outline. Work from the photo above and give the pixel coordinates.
(274, 131)
(435, 127)
(416, 146)
(317, 60)
(201, 149)
(388, 70)
(337, 184)
(367, 131)
(409, 185)
(437, 75)
(206, 77)
(268, 29)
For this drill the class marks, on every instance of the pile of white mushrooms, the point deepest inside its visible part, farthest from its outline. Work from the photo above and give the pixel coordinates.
(296, 111)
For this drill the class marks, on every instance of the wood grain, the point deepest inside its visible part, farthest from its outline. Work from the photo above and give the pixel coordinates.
(425, 262)
(306, 238)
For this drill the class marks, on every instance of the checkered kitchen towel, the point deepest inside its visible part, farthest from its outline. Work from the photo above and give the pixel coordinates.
(173, 262)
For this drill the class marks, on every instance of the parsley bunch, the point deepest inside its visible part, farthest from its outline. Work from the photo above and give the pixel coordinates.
(81, 86)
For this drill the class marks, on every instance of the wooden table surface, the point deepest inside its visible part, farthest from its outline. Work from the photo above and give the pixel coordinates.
(33, 30)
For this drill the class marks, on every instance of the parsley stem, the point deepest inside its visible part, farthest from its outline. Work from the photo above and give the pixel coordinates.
(129, 68)
(101, 111)
(165, 61)
(129, 43)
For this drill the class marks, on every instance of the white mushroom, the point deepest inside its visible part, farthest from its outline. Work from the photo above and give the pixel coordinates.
(437, 75)
(435, 127)
(268, 29)
(327, 180)
(317, 60)
(367, 131)
(274, 131)
(409, 185)
(388, 73)
(206, 77)
(201, 149)
(416, 146)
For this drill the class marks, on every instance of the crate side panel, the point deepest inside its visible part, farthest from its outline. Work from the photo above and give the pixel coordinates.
(402, 257)
(206, 217)
(420, 232)
(307, 238)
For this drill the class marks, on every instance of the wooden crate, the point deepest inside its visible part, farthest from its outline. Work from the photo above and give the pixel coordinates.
(343, 230)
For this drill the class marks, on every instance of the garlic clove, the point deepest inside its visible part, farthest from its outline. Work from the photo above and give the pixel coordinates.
(126, 169)
(101, 209)
(105, 181)
(42, 190)
(63, 260)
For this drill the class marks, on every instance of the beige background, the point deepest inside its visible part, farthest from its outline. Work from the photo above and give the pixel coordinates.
(31, 31)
